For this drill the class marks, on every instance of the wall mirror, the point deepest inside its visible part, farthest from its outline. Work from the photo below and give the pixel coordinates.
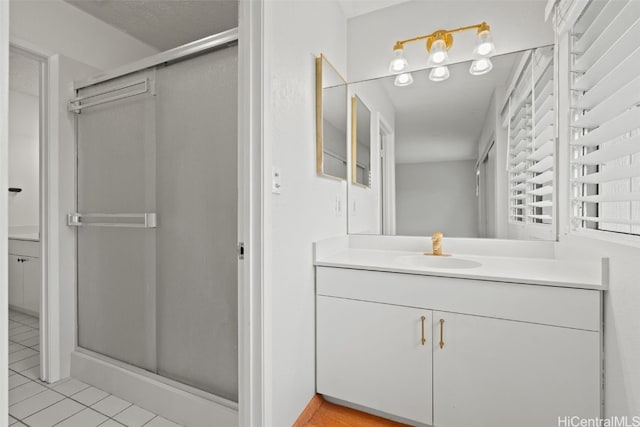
(471, 156)
(360, 143)
(331, 121)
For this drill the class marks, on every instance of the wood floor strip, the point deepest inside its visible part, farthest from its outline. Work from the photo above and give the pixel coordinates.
(320, 413)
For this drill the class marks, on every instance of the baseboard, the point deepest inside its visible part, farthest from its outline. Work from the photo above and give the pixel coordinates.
(153, 395)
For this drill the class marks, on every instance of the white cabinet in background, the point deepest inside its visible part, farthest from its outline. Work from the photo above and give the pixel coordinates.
(496, 354)
(16, 277)
(493, 372)
(376, 355)
(25, 272)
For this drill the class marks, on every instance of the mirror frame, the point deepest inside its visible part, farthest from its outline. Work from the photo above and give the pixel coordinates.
(354, 142)
(320, 60)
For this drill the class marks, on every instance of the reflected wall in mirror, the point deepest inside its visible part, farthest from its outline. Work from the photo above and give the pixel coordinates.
(473, 155)
(360, 143)
(331, 121)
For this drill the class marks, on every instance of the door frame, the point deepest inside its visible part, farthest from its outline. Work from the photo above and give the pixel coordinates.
(43, 167)
(388, 172)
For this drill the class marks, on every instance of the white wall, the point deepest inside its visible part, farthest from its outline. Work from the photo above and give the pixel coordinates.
(60, 28)
(437, 196)
(364, 203)
(295, 33)
(515, 25)
(24, 161)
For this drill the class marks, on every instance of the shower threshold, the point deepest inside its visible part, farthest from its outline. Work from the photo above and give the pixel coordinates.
(184, 404)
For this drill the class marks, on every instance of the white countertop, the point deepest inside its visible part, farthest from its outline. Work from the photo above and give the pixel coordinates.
(583, 274)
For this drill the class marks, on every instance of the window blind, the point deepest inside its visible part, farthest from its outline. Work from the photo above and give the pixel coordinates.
(605, 119)
(532, 141)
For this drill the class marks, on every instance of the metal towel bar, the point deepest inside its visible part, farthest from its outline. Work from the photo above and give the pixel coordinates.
(148, 220)
(76, 105)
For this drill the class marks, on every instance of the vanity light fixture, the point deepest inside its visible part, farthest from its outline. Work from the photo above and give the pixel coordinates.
(404, 79)
(438, 44)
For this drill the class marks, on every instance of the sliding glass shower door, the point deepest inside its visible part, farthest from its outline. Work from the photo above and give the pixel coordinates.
(157, 216)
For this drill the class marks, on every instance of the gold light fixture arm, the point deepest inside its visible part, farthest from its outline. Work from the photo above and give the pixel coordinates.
(445, 35)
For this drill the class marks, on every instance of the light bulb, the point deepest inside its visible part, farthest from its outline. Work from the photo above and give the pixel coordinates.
(404, 79)
(480, 66)
(438, 53)
(439, 74)
(398, 64)
(484, 45)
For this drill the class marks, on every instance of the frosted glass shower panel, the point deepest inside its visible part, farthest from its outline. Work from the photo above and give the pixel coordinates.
(197, 237)
(116, 174)
(163, 298)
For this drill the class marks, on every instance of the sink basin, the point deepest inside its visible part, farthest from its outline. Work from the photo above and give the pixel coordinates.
(437, 262)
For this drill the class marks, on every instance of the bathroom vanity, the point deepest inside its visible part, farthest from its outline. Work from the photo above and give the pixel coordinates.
(512, 337)
(25, 272)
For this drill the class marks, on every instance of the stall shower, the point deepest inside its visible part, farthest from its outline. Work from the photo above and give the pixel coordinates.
(156, 221)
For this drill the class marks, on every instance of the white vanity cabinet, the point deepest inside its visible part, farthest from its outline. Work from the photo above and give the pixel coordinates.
(25, 268)
(504, 354)
(494, 372)
(376, 355)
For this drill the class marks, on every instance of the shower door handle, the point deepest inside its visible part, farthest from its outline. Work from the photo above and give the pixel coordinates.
(125, 220)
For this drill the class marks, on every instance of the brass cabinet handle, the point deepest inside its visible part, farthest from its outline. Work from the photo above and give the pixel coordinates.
(441, 333)
(423, 340)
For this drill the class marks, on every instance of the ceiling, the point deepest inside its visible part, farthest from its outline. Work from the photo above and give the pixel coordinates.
(353, 8)
(442, 121)
(164, 24)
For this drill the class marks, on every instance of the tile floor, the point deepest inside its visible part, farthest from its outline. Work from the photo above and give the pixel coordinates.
(67, 403)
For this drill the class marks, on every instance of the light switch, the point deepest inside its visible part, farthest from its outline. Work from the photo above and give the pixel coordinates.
(276, 181)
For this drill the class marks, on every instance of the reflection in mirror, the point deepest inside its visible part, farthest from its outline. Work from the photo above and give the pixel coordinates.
(459, 146)
(331, 120)
(360, 142)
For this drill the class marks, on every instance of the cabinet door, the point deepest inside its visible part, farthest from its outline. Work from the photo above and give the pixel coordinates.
(499, 373)
(15, 281)
(32, 283)
(372, 355)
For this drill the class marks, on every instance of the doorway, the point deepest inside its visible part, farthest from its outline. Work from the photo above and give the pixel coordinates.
(27, 212)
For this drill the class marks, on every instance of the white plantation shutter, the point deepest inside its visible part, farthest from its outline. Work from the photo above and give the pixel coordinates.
(532, 141)
(605, 119)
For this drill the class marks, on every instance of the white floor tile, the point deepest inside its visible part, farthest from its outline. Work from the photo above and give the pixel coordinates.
(33, 322)
(24, 391)
(30, 406)
(89, 396)
(85, 418)
(12, 420)
(14, 324)
(22, 354)
(16, 379)
(69, 387)
(31, 341)
(161, 422)
(134, 416)
(111, 405)
(111, 423)
(32, 373)
(20, 338)
(25, 364)
(54, 414)
(19, 330)
(15, 347)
